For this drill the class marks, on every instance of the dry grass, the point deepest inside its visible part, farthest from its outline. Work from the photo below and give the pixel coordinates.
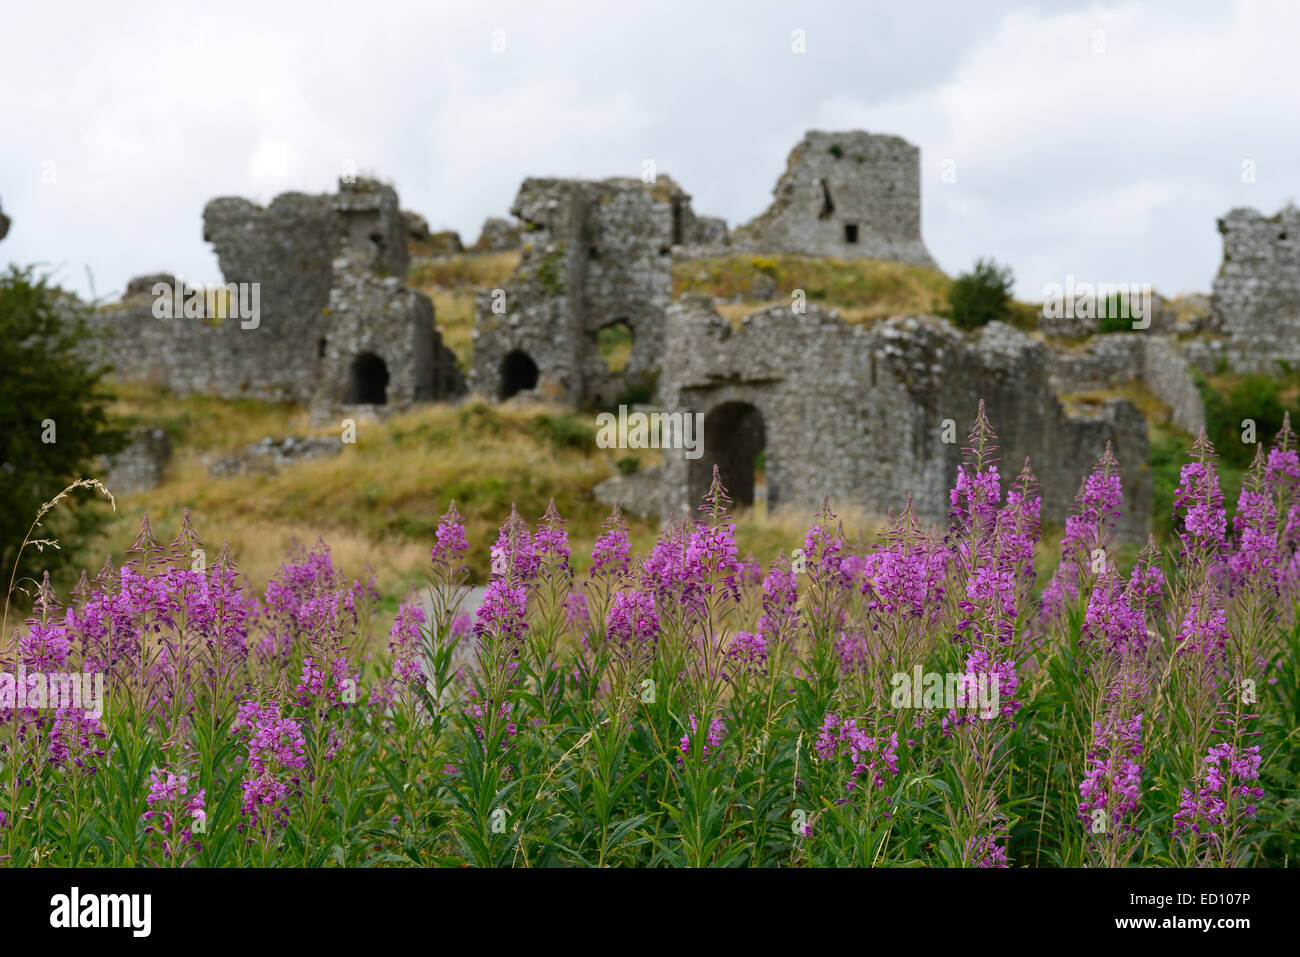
(451, 282)
(862, 289)
(1152, 409)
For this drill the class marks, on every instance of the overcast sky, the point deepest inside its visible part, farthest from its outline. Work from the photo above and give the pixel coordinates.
(1107, 155)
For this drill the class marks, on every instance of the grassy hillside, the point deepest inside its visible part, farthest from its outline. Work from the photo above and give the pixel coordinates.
(379, 501)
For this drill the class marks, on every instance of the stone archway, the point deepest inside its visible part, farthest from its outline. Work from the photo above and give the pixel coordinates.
(735, 435)
(518, 373)
(367, 381)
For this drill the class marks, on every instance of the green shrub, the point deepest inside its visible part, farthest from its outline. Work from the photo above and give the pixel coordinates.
(628, 465)
(981, 296)
(564, 432)
(54, 422)
(1115, 316)
(1255, 397)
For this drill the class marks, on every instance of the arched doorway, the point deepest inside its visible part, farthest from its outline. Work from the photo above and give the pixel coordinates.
(367, 381)
(518, 373)
(734, 438)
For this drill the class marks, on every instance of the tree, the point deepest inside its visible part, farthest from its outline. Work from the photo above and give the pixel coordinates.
(981, 296)
(54, 422)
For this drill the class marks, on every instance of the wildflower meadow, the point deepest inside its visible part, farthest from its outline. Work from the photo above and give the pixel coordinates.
(915, 700)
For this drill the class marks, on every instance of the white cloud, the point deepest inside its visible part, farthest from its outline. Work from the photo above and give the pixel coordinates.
(1068, 160)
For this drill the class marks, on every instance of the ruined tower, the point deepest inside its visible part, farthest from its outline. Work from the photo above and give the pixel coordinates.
(1256, 297)
(851, 194)
(596, 260)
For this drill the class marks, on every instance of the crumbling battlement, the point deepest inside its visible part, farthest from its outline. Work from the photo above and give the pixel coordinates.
(596, 254)
(1256, 296)
(852, 194)
(335, 324)
(859, 414)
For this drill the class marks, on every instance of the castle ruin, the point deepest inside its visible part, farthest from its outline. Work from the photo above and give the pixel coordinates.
(337, 325)
(1256, 298)
(597, 254)
(852, 194)
(860, 413)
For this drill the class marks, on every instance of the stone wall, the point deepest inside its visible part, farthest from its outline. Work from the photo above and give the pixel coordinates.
(330, 273)
(852, 194)
(859, 413)
(1124, 358)
(595, 254)
(1256, 296)
(497, 235)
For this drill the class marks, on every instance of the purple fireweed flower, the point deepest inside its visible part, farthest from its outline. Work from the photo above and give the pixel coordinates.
(751, 572)
(983, 850)
(749, 651)
(631, 622)
(1203, 636)
(476, 710)
(514, 555)
(1223, 801)
(451, 541)
(988, 671)
(405, 642)
(551, 541)
(1089, 527)
(273, 740)
(1146, 583)
(275, 746)
(504, 612)
(1113, 779)
(326, 680)
(1111, 622)
(1255, 562)
(610, 554)
(974, 497)
(779, 623)
(823, 548)
(575, 612)
(907, 575)
(712, 558)
(1199, 517)
(717, 731)
(871, 755)
(1019, 525)
(73, 737)
(169, 805)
